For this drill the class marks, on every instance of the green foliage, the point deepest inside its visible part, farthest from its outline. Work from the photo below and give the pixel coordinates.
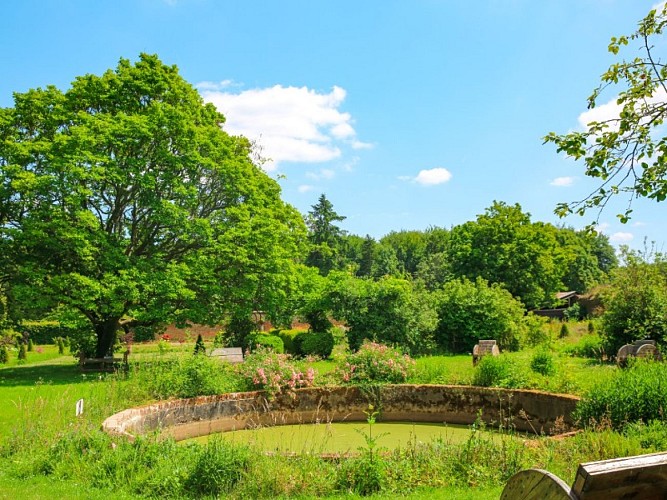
(469, 311)
(591, 327)
(367, 473)
(537, 332)
(574, 313)
(238, 328)
(389, 311)
(200, 348)
(315, 344)
(4, 354)
(564, 331)
(288, 337)
(325, 236)
(625, 152)
(542, 362)
(504, 247)
(45, 331)
(375, 363)
(318, 320)
(635, 304)
(60, 342)
(273, 372)
(31, 346)
(409, 248)
(22, 352)
(588, 346)
(161, 216)
(256, 339)
(498, 371)
(637, 394)
(218, 468)
(182, 377)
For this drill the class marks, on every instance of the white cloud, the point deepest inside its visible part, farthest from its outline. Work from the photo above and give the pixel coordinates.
(304, 188)
(294, 124)
(206, 86)
(621, 237)
(602, 227)
(325, 173)
(639, 224)
(433, 176)
(562, 181)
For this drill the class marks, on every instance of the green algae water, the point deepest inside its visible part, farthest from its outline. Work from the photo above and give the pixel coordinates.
(343, 437)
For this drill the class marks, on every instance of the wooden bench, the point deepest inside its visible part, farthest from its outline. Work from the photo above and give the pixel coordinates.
(109, 364)
(106, 364)
(229, 354)
(484, 348)
(641, 477)
(639, 349)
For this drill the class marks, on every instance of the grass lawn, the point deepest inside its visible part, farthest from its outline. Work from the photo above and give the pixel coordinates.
(39, 397)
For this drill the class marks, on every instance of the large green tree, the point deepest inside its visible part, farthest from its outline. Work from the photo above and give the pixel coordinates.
(625, 149)
(503, 246)
(122, 197)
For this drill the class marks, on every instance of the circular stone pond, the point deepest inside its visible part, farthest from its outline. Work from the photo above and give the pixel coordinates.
(522, 410)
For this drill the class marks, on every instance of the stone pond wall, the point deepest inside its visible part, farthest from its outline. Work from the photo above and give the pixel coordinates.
(527, 411)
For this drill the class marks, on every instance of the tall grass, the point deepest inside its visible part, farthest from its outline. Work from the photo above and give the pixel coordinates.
(636, 394)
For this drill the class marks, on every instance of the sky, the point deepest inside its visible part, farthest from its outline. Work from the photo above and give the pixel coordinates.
(406, 114)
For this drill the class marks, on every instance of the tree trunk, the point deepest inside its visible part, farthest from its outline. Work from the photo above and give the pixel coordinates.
(106, 336)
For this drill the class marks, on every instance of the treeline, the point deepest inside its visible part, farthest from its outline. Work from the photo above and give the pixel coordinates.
(531, 260)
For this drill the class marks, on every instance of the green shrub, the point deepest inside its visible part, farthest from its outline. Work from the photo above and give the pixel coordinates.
(31, 346)
(288, 336)
(22, 352)
(375, 363)
(652, 436)
(60, 342)
(218, 468)
(574, 313)
(4, 354)
(182, 377)
(635, 303)
(472, 310)
(200, 348)
(318, 320)
(542, 362)
(45, 331)
(238, 328)
(588, 346)
(637, 394)
(591, 327)
(564, 331)
(273, 372)
(256, 339)
(317, 344)
(497, 371)
(536, 332)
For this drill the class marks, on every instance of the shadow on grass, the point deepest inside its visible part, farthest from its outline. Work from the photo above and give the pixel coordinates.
(44, 373)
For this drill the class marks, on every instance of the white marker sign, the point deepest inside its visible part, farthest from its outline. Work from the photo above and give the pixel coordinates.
(79, 407)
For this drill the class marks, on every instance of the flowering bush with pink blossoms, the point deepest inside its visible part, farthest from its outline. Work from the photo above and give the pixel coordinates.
(273, 372)
(374, 363)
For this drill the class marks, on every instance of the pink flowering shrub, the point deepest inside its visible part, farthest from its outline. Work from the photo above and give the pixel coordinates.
(273, 372)
(375, 363)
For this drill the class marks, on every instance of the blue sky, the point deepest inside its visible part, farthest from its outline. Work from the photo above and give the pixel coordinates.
(406, 114)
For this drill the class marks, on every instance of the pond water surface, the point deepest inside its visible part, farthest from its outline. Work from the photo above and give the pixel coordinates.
(342, 437)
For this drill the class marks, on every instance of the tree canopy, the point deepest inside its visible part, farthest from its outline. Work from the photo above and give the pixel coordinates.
(626, 149)
(324, 235)
(122, 197)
